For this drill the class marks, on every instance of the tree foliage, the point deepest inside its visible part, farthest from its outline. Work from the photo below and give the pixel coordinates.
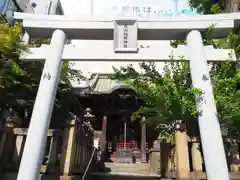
(215, 6)
(218, 7)
(19, 80)
(167, 96)
(13, 77)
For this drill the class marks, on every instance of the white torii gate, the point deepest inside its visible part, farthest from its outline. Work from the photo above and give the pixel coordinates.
(126, 34)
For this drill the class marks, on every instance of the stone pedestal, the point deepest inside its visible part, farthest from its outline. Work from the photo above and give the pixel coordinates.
(154, 161)
(155, 158)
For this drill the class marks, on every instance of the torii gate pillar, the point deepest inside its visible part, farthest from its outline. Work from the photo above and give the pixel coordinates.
(210, 132)
(37, 133)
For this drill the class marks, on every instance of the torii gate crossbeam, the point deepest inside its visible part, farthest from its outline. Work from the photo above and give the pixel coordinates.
(104, 52)
(212, 143)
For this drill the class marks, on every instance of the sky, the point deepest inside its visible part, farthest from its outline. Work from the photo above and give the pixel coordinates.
(114, 7)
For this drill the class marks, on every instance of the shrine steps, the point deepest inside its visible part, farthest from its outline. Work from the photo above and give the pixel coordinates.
(125, 176)
(118, 171)
(127, 168)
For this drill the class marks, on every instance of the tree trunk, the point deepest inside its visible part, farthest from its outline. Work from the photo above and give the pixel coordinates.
(232, 6)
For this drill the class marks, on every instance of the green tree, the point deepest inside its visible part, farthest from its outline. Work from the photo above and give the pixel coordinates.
(218, 7)
(167, 96)
(11, 72)
(213, 6)
(19, 80)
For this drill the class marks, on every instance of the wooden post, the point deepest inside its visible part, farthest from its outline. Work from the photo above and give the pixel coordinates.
(182, 157)
(68, 149)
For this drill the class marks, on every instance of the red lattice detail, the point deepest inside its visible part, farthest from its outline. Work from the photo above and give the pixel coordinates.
(129, 145)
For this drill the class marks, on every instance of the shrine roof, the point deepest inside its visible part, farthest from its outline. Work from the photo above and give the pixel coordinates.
(101, 84)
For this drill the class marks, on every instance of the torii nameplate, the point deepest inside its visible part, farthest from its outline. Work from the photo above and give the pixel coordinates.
(125, 36)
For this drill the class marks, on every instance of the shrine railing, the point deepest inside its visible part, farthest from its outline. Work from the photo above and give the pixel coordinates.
(183, 159)
(67, 151)
(11, 148)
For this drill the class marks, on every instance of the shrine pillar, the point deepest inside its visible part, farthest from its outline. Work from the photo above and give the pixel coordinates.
(103, 135)
(125, 134)
(143, 141)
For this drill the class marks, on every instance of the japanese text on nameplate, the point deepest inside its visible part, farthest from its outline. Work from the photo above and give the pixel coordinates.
(125, 36)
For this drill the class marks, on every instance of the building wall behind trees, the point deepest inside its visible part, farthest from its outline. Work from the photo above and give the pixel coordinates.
(8, 7)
